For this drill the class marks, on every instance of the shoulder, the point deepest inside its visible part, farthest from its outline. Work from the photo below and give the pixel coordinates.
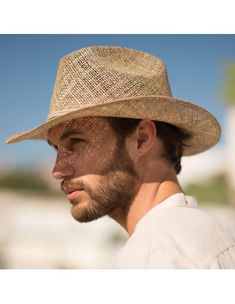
(176, 237)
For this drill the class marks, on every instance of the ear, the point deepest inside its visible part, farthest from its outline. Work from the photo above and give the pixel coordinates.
(145, 136)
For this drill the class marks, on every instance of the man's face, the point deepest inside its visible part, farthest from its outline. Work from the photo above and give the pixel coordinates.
(97, 172)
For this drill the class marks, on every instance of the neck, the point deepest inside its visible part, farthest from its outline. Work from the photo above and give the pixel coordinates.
(148, 196)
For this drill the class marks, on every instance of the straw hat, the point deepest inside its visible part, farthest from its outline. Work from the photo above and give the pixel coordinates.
(121, 82)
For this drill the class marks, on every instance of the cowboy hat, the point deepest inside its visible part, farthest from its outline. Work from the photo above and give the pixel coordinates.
(115, 81)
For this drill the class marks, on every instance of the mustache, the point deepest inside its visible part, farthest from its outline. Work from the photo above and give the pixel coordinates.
(71, 184)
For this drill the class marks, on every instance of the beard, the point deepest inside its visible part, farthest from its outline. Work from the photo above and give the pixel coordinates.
(116, 189)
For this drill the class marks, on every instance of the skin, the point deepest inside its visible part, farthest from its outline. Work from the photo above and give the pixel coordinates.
(122, 180)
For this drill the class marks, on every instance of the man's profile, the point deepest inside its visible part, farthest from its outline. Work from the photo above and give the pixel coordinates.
(119, 136)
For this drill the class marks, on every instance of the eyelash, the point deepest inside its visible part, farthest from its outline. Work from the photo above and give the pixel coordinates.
(54, 147)
(74, 141)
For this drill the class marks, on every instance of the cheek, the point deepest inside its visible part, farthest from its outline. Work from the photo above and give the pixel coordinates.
(91, 159)
(83, 161)
(101, 153)
(91, 162)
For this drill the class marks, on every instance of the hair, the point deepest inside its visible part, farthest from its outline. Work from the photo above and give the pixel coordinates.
(173, 138)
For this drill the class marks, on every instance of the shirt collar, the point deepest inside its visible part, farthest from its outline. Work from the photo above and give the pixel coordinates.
(175, 200)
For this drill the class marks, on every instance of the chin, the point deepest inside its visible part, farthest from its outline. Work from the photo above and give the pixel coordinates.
(85, 212)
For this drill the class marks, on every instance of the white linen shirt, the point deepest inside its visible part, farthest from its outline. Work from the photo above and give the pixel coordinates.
(177, 234)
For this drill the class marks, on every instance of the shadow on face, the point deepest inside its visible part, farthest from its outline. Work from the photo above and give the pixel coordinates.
(89, 157)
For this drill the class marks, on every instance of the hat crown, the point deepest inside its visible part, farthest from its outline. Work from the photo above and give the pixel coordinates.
(102, 74)
(112, 81)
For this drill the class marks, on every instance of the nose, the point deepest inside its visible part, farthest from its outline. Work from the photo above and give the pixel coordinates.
(62, 169)
(58, 175)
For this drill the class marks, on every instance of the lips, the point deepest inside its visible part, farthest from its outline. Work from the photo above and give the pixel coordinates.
(72, 193)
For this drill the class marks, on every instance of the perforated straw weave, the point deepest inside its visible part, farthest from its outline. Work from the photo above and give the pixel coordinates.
(122, 82)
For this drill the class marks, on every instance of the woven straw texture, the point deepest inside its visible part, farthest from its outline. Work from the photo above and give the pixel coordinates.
(122, 82)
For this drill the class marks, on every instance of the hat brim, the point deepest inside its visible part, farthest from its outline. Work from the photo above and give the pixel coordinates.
(203, 126)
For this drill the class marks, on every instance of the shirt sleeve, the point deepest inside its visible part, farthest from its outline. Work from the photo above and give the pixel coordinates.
(224, 260)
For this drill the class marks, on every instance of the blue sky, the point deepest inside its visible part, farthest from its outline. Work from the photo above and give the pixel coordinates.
(28, 67)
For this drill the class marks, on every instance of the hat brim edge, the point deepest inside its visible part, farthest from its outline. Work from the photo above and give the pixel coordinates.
(152, 107)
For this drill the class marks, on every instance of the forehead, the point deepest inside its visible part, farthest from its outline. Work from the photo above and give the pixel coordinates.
(85, 125)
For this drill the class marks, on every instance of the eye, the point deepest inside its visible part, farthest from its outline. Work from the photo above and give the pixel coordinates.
(75, 140)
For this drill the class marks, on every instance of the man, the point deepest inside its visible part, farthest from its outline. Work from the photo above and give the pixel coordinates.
(119, 136)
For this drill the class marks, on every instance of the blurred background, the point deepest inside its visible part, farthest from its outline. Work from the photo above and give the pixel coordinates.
(37, 230)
